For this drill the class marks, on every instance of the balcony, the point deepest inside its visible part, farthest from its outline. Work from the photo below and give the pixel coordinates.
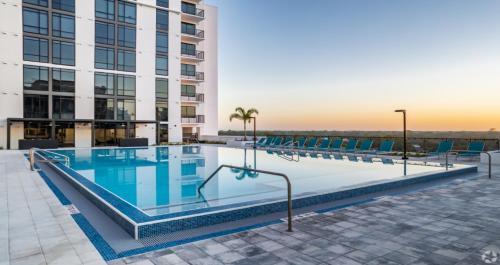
(196, 119)
(194, 98)
(192, 34)
(192, 55)
(193, 12)
(193, 76)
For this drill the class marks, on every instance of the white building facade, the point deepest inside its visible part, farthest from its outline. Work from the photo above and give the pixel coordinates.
(90, 72)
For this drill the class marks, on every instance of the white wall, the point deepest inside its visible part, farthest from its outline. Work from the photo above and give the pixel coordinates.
(174, 73)
(83, 135)
(11, 69)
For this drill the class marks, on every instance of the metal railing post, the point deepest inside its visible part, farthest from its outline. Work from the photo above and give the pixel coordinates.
(288, 184)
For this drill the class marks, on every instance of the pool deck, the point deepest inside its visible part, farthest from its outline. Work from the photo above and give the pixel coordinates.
(452, 223)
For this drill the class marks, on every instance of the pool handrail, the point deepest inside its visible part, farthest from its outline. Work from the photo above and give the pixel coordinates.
(289, 186)
(32, 157)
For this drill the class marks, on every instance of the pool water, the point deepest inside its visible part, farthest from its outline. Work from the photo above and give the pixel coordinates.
(163, 180)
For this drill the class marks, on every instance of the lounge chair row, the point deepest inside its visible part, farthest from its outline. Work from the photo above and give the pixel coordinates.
(324, 144)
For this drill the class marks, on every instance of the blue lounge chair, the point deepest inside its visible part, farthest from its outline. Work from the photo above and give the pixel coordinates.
(311, 144)
(365, 146)
(385, 147)
(475, 148)
(268, 142)
(260, 142)
(277, 142)
(324, 145)
(336, 145)
(299, 143)
(443, 147)
(351, 145)
(287, 142)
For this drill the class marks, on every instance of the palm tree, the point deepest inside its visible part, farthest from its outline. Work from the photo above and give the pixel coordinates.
(245, 116)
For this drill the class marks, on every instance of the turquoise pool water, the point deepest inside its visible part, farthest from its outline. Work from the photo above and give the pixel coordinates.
(162, 180)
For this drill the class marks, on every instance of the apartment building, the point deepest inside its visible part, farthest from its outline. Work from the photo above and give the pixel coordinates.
(89, 72)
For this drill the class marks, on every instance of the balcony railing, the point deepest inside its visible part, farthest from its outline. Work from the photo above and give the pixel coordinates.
(196, 76)
(200, 55)
(196, 119)
(193, 11)
(194, 32)
(196, 97)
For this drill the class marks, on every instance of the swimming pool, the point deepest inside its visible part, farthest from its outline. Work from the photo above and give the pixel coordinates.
(151, 191)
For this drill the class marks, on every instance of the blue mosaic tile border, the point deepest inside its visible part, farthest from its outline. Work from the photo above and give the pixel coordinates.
(99, 243)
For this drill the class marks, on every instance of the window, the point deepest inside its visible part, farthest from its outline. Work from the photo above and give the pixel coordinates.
(37, 2)
(63, 26)
(36, 106)
(188, 69)
(126, 36)
(125, 85)
(104, 58)
(188, 91)
(161, 88)
(188, 8)
(161, 42)
(162, 111)
(63, 53)
(63, 80)
(35, 21)
(104, 109)
(65, 5)
(161, 20)
(164, 133)
(162, 3)
(188, 28)
(161, 65)
(37, 130)
(126, 12)
(105, 9)
(63, 107)
(126, 61)
(188, 48)
(35, 50)
(35, 78)
(188, 112)
(104, 33)
(104, 84)
(126, 109)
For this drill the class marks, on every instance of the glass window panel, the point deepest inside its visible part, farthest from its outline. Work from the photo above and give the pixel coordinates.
(37, 2)
(37, 130)
(162, 3)
(188, 69)
(104, 33)
(35, 50)
(63, 53)
(188, 48)
(126, 109)
(63, 107)
(188, 8)
(35, 21)
(125, 85)
(66, 5)
(105, 9)
(104, 84)
(188, 28)
(161, 65)
(104, 109)
(63, 80)
(63, 26)
(161, 111)
(126, 12)
(188, 90)
(188, 111)
(104, 58)
(161, 42)
(161, 88)
(36, 106)
(35, 78)
(126, 36)
(126, 61)
(161, 20)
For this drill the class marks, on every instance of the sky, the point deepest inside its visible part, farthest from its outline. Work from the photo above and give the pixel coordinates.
(348, 64)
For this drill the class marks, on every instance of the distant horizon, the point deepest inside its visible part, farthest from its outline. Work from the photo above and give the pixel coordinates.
(346, 65)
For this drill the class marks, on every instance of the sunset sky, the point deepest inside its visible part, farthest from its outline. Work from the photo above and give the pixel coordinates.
(347, 64)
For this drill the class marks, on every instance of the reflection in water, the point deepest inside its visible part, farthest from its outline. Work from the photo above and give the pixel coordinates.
(246, 173)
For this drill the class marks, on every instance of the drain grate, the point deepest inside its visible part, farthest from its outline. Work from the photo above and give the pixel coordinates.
(72, 209)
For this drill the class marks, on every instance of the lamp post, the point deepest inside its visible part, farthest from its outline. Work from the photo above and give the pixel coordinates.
(404, 132)
(254, 132)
